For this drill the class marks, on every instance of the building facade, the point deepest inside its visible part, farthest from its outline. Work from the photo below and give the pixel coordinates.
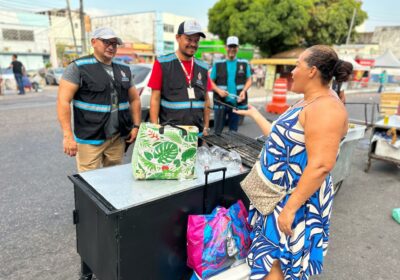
(388, 38)
(148, 34)
(61, 35)
(24, 34)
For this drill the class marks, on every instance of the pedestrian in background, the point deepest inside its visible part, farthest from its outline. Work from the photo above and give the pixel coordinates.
(104, 100)
(382, 80)
(179, 83)
(231, 79)
(260, 74)
(18, 70)
(291, 241)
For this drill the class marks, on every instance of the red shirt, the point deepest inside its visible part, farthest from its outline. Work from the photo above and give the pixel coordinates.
(155, 81)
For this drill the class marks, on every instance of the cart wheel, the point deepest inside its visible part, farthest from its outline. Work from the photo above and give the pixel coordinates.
(336, 187)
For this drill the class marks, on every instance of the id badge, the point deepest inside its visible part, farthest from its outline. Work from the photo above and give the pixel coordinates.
(191, 93)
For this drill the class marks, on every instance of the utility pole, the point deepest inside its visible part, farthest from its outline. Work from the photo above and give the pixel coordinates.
(351, 26)
(83, 31)
(352, 22)
(72, 26)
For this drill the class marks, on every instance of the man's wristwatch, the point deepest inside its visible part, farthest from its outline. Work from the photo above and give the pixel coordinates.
(206, 129)
(135, 126)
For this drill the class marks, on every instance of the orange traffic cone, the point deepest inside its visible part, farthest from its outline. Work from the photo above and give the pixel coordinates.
(278, 104)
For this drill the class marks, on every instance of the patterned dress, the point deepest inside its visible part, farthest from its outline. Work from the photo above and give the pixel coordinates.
(302, 254)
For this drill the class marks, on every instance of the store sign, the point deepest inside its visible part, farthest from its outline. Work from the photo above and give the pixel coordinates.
(365, 62)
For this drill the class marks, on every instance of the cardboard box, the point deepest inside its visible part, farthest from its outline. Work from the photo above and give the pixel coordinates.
(383, 148)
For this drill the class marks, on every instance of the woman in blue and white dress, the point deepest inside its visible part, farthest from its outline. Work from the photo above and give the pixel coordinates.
(301, 150)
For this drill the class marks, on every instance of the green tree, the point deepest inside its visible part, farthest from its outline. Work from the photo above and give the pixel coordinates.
(330, 21)
(279, 25)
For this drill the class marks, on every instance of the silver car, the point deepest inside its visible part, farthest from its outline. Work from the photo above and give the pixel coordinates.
(53, 76)
(8, 82)
(141, 75)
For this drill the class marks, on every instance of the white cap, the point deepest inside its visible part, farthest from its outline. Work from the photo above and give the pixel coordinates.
(190, 27)
(232, 40)
(105, 33)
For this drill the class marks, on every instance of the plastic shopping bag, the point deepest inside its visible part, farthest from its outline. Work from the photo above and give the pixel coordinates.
(217, 241)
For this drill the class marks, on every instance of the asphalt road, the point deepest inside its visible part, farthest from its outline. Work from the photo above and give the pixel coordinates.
(37, 237)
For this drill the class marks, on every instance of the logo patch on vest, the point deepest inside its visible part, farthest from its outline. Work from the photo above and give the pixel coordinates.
(241, 70)
(199, 81)
(124, 77)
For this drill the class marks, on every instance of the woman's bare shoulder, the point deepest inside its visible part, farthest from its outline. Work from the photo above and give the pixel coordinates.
(327, 110)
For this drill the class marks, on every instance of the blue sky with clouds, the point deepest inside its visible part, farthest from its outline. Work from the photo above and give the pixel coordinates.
(381, 12)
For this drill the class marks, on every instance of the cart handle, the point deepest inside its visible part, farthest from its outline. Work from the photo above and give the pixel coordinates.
(206, 173)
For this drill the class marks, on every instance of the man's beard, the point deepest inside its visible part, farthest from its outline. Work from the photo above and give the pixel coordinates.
(189, 55)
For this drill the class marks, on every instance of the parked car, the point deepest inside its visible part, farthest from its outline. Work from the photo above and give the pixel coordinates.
(53, 76)
(141, 75)
(9, 82)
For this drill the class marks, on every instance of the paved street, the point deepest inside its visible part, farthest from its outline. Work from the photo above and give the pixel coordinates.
(37, 237)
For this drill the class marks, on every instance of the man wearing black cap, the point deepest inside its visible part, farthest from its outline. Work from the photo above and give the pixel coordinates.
(231, 78)
(105, 101)
(180, 82)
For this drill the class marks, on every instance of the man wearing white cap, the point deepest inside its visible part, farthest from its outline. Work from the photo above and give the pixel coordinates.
(231, 78)
(179, 82)
(104, 100)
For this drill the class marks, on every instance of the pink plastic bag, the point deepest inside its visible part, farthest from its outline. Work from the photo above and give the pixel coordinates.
(217, 240)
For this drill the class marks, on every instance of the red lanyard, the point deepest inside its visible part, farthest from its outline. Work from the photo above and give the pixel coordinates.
(188, 76)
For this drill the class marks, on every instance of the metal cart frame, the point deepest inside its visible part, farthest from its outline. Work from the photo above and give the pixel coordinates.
(394, 121)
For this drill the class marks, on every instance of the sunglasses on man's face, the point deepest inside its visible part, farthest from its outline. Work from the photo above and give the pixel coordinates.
(108, 43)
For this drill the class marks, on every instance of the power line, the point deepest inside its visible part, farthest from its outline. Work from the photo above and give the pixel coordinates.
(28, 5)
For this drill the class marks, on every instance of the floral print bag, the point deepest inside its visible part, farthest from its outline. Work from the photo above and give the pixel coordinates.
(165, 152)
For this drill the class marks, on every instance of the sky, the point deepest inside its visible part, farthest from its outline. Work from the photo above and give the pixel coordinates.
(380, 12)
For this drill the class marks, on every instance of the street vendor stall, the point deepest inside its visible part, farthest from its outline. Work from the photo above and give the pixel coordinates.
(343, 163)
(360, 75)
(385, 141)
(131, 229)
(136, 229)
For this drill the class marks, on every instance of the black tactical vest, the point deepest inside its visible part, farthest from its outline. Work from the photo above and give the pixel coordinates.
(222, 79)
(176, 107)
(92, 101)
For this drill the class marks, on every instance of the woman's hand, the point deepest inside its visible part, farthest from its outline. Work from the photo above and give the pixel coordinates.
(250, 112)
(285, 221)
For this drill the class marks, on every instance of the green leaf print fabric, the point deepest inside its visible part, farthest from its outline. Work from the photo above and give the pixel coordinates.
(169, 155)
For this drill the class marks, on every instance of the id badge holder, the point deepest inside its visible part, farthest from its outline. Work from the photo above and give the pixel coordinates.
(191, 93)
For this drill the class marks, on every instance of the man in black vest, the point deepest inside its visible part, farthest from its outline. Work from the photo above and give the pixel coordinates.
(231, 78)
(179, 83)
(104, 100)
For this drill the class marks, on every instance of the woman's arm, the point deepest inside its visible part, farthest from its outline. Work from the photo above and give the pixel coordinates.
(252, 112)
